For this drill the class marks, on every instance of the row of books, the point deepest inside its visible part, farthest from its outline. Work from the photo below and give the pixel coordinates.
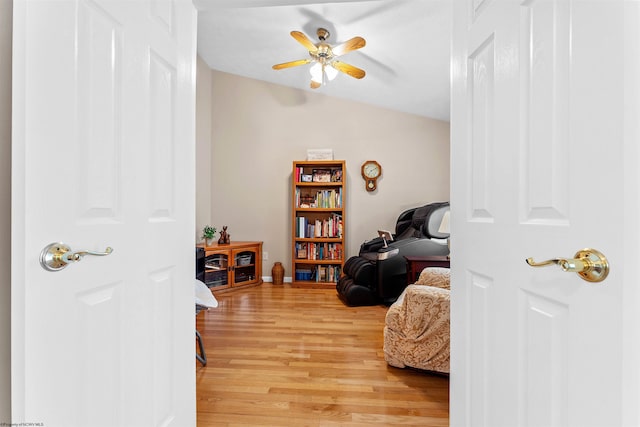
(318, 251)
(318, 175)
(327, 227)
(320, 273)
(331, 199)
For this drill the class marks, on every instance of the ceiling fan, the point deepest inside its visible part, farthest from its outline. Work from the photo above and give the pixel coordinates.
(326, 65)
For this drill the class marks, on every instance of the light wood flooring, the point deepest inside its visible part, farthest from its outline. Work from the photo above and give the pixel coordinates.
(282, 356)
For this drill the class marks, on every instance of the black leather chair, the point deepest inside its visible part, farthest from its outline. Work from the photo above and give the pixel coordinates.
(378, 274)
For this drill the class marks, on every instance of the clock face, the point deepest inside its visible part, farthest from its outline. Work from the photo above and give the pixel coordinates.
(371, 170)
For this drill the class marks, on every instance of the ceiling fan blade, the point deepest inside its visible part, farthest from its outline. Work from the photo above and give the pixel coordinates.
(291, 64)
(354, 72)
(348, 46)
(314, 84)
(304, 41)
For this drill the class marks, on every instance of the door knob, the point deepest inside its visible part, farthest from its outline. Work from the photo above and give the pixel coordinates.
(56, 256)
(589, 264)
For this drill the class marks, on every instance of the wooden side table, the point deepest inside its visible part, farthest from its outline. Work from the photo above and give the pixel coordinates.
(415, 265)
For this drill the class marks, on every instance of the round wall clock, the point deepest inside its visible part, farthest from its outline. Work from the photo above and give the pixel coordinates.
(371, 171)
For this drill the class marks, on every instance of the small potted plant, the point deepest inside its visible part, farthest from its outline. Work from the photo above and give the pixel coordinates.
(208, 234)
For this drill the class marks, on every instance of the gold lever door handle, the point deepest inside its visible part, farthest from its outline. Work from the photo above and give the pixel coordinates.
(588, 263)
(77, 256)
(56, 256)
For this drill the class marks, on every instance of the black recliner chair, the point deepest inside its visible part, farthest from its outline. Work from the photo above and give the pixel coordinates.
(378, 274)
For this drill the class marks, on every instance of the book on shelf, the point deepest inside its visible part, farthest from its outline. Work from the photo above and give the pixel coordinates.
(303, 274)
(326, 199)
(334, 273)
(319, 228)
(318, 251)
(326, 273)
(322, 274)
(301, 250)
(301, 227)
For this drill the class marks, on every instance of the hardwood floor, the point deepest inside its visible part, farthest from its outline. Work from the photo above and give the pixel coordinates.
(281, 356)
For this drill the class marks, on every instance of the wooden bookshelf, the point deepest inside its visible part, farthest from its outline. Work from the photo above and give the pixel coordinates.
(317, 223)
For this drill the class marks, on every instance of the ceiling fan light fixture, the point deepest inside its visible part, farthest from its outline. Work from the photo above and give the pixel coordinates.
(331, 72)
(316, 72)
(326, 67)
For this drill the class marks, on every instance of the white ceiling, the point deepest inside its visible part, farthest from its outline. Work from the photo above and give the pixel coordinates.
(406, 57)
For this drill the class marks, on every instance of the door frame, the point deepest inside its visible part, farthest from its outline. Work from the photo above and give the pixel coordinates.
(6, 38)
(632, 134)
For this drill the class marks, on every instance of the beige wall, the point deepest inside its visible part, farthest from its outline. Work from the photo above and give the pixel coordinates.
(203, 147)
(258, 129)
(5, 210)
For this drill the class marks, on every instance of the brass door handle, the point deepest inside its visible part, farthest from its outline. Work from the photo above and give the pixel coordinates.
(56, 256)
(588, 263)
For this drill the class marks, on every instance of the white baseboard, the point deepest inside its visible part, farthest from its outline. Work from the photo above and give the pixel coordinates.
(270, 279)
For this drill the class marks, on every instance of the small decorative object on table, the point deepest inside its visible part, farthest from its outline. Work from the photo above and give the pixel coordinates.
(208, 234)
(277, 273)
(321, 175)
(225, 238)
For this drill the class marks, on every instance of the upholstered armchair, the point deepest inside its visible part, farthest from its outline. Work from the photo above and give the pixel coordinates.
(416, 331)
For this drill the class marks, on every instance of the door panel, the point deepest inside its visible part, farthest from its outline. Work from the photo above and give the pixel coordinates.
(538, 170)
(100, 309)
(162, 80)
(545, 41)
(481, 106)
(543, 330)
(103, 140)
(99, 125)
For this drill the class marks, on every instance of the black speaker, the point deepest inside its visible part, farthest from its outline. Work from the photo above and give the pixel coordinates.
(200, 263)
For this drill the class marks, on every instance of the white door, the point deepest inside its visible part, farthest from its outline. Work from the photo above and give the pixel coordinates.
(544, 163)
(103, 155)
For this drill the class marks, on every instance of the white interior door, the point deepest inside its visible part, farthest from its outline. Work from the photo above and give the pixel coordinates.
(544, 160)
(103, 155)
